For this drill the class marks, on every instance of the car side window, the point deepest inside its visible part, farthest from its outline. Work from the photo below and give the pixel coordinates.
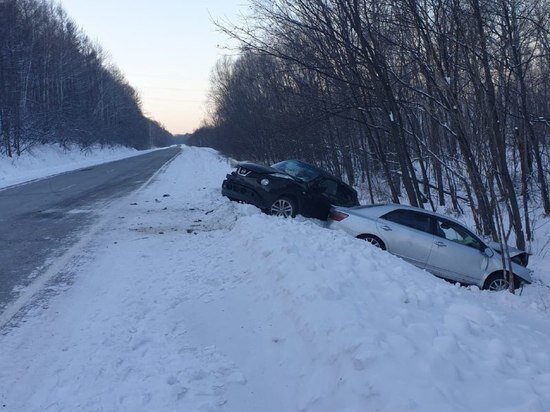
(328, 187)
(410, 218)
(346, 195)
(456, 233)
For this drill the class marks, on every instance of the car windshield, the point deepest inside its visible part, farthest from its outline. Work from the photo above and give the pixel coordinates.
(298, 170)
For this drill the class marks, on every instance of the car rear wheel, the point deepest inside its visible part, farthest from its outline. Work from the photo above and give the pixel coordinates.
(284, 207)
(373, 240)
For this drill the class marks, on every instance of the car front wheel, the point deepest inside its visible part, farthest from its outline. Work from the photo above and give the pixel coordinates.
(497, 282)
(284, 207)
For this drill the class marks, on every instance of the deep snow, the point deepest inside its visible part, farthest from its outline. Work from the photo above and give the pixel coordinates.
(46, 160)
(191, 302)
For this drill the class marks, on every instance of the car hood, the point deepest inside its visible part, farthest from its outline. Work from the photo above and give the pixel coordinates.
(255, 167)
(512, 250)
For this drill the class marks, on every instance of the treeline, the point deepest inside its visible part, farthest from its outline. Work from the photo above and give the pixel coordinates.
(57, 86)
(435, 100)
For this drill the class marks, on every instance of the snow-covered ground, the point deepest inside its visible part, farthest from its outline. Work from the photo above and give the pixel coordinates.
(47, 160)
(186, 301)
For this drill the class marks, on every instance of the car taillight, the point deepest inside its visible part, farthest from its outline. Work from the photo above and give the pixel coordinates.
(338, 216)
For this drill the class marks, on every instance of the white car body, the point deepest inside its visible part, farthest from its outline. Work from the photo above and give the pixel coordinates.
(434, 242)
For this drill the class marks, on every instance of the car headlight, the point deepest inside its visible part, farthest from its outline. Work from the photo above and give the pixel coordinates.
(264, 182)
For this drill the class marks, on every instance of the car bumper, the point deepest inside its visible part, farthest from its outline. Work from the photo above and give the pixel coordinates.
(240, 190)
(526, 276)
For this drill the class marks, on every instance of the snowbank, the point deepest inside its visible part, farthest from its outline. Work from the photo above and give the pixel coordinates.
(187, 301)
(47, 160)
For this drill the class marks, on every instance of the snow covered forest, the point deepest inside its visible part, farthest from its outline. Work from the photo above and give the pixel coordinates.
(57, 86)
(438, 103)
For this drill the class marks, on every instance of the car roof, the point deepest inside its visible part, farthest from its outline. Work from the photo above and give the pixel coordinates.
(388, 207)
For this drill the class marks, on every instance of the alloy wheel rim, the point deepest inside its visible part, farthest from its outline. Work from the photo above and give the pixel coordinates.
(499, 284)
(282, 207)
(373, 242)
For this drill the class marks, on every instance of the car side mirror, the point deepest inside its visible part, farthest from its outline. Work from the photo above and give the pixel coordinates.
(488, 252)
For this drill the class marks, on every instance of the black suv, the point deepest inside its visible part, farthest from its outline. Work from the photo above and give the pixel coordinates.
(288, 188)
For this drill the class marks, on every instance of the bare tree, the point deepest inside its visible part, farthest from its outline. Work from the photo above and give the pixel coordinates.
(56, 86)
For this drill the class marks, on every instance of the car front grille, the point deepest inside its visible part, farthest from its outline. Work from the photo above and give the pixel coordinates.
(241, 171)
(239, 188)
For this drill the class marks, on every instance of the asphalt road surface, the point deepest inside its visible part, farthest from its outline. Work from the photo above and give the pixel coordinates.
(40, 220)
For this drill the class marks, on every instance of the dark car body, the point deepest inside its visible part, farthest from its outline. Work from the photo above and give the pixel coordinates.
(309, 190)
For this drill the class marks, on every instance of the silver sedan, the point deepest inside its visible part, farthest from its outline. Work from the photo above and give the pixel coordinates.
(433, 242)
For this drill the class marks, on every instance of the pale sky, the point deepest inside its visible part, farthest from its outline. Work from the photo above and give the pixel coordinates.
(166, 49)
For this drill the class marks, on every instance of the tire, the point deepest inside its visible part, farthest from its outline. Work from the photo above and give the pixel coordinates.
(283, 206)
(497, 283)
(373, 240)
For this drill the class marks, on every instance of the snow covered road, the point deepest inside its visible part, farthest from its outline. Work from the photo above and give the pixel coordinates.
(186, 301)
(41, 220)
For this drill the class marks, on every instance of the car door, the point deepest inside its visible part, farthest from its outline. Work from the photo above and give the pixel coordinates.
(408, 234)
(336, 193)
(457, 253)
(345, 196)
(321, 195)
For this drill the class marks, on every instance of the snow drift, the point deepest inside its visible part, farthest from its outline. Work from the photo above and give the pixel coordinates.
(50, 159)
